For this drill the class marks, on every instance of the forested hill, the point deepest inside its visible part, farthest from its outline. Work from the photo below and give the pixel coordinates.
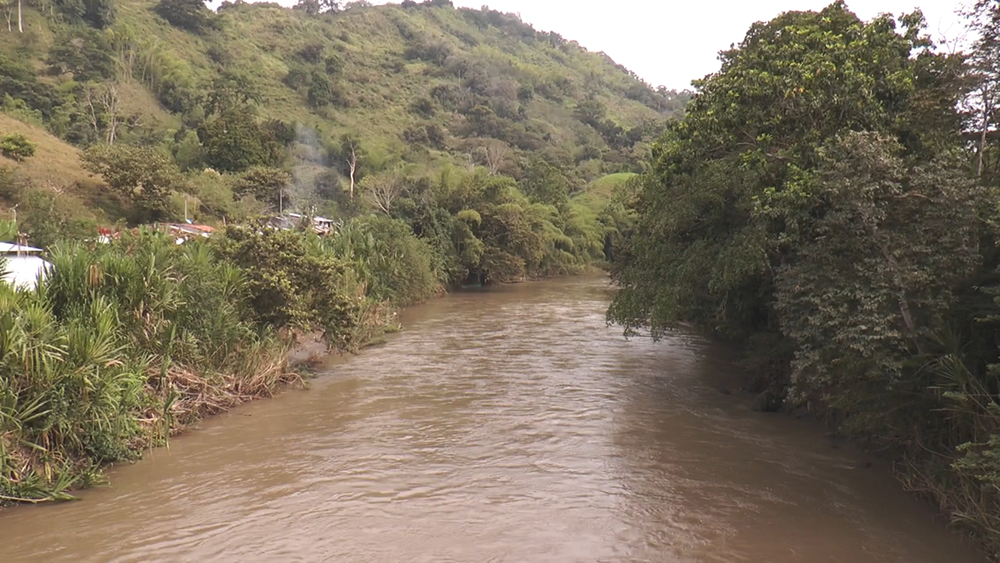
(412, 88)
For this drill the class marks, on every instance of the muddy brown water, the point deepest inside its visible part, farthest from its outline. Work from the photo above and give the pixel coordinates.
(502, 425)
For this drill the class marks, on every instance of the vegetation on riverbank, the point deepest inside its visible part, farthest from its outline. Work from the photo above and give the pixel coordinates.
(446, 145)
(824, 205)
(125, 343)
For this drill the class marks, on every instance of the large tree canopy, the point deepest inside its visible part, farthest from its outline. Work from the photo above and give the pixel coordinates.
(143, 175)
(714, 226)
(817, 206)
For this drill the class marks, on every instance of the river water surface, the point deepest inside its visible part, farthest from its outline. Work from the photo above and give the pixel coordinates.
(502, 425)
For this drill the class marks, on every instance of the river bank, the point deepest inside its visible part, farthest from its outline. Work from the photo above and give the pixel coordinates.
(508, 424)
(126, 344)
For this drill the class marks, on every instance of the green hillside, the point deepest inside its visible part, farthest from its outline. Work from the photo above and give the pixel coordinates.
(415, 89)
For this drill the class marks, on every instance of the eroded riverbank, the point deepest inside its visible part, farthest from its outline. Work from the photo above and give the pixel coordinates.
(504, 425)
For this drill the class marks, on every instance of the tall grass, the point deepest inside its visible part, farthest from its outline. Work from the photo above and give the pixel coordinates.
(121, 346)
(387, 259)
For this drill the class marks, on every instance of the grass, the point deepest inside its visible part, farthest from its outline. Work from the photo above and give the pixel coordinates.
(56, 169)
(263, 40)
(607, 184)
(380, 84)
(56, 163)
(596, 196)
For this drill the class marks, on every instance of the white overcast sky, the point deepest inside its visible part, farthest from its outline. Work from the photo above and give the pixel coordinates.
(671, 42)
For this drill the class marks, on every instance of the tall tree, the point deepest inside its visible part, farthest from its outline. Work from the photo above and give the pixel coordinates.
(495, 153)
(191, 15)
(143, 175)
(230, 90)
(880, 248)
(267, 185)
(545, 183)
(236, 141)
(311, 7)
(104, 106)
(8, 12)
(713, 230)
(351, 153)
(316, 7)
(984, 66)
(382, 190)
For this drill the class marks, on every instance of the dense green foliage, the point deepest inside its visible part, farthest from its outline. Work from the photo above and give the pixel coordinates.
(124, 343)
(472, 130)
(96, 362)
(142, 175)
(413, 88)
(817, 206)
(287, 285)
(16, 147)
(393, 264)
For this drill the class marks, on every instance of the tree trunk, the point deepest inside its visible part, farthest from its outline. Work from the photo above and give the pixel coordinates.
(904, 304)
(20, 20)
(495, 153)
(89, 98)
(109, 99)
(353, 163)
(112, 129)
(982, 134)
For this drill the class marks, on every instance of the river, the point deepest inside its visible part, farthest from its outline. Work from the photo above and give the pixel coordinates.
(501, 425)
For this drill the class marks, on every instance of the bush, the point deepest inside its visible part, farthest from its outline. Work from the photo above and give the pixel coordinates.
(289, 285)
(394, 264)
(110, 355)
(191, 15)
(236, 141)
(16, 147)
(10, 184)
(298, 77)
(48, 218)
(323, 91)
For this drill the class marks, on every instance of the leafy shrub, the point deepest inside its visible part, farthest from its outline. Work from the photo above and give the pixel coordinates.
(298, 77)
(289, 285)
(323, 91)
(434, 52)
(96, 364)
(191, 15)
(311, 53)
(394, 264)
(86, 53)
(236, 141)
(16, 147)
